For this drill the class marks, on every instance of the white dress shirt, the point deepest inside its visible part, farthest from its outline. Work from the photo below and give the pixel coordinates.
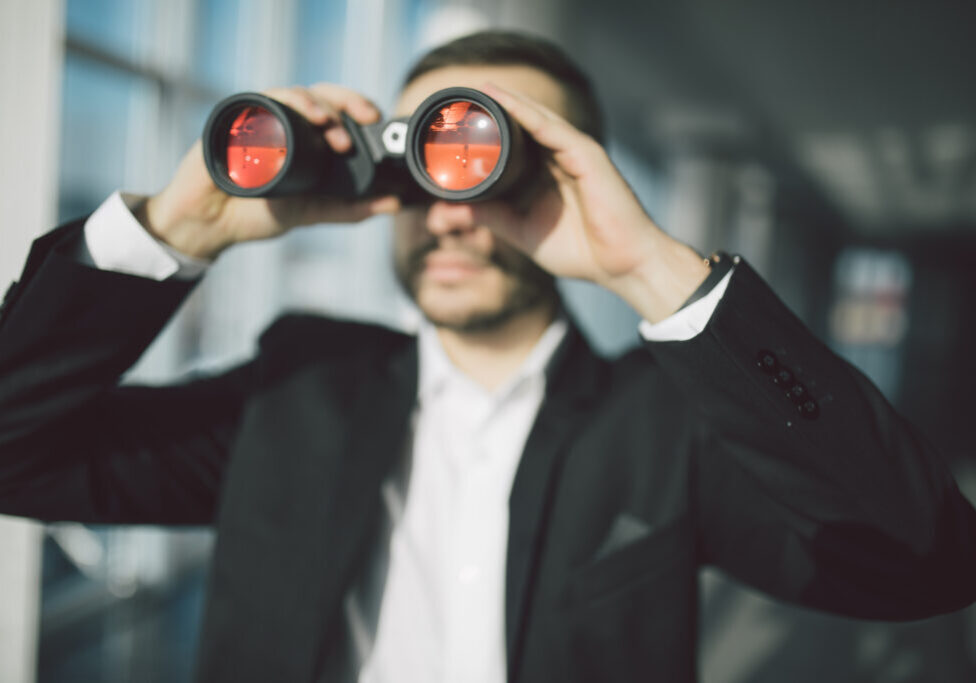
(442, 618)
(430, 606)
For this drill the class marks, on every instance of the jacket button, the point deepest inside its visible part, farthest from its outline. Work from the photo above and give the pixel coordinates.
(798, 393)
(783, 377)
(809, 409)
(766, 360)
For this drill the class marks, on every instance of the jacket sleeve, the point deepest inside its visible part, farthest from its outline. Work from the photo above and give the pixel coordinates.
(73, 444)
(808, 484)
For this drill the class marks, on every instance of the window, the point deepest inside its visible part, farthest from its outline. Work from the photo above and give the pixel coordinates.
(140, 77)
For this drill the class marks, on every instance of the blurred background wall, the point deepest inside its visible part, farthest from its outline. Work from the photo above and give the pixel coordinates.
(832, 144)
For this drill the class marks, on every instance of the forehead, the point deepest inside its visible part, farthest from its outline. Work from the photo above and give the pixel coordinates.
(526, 80)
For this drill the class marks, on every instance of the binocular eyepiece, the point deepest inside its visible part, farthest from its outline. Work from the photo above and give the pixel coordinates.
(459, 145)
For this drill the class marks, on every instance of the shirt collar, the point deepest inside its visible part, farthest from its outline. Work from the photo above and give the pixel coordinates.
(436, 369)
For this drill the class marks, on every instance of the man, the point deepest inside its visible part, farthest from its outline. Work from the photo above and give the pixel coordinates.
(490, 502)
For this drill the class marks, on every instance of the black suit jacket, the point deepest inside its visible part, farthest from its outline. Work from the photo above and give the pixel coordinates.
(636, 473)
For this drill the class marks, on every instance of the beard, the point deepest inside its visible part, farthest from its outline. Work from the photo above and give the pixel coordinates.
(526, 286)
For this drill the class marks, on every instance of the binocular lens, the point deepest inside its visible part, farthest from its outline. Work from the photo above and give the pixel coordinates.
(458, 145)
(256, 147)
(461, 145)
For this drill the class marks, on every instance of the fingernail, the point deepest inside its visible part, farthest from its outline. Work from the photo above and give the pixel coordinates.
(386, 205)
(368, 115)
(339, 138)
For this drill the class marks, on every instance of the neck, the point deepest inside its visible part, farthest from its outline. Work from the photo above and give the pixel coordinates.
(490, 357)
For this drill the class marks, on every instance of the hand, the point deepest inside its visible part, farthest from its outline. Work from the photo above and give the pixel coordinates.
(587, 223)
(195, 217)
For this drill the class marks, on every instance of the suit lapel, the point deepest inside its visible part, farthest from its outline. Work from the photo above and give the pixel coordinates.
(301, 501)
(379, 424)
(573, 379)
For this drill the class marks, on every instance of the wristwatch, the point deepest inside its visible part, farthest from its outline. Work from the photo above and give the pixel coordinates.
(719, 264)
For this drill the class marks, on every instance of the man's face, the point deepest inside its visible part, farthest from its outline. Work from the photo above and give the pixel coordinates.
(459, 274)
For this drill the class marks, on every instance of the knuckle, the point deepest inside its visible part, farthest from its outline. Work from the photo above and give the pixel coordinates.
(293, 95)
(538, 125)
(329, 90)
(323, 90)
(368, 106)
(295, 91)
(589, 143)
(542, 131)
(275, 93)
(341, 97)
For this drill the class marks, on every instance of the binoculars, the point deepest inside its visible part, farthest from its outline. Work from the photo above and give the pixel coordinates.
(459, 145)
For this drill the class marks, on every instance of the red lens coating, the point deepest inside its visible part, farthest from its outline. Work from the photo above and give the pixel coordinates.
(461, 145)
(256, 147)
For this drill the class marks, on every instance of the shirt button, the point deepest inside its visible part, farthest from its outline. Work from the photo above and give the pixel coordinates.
(469, 573)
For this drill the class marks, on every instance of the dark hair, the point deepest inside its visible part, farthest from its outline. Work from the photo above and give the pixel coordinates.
(509, 48)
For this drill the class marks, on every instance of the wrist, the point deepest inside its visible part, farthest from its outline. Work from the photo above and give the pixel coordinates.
(663, 281)
(186, 236)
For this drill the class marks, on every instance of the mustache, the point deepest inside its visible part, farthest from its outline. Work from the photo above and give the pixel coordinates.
(416, 258)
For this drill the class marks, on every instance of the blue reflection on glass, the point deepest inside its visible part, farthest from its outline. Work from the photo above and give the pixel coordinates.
(109, 24)
(215, 42)
(94, 121)
(320, 41)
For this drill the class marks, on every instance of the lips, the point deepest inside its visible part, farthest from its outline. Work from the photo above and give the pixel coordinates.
(451, 266)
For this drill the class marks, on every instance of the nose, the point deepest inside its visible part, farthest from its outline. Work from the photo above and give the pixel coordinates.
(446, 218)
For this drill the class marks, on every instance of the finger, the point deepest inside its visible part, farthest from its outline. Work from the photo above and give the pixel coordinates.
(338, 138)
(302, 101)
(547, 127)
(318, 111)
(360, 108)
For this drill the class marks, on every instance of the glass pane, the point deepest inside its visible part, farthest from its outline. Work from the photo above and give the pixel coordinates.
(120, 604)
(215, 46)
(95, 115)
(869, 317)
(109, 24)
(321, 36)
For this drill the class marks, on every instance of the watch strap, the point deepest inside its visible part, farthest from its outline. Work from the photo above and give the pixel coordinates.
(719, 264)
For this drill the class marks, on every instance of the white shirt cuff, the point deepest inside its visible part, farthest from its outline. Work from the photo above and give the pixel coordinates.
(689, 321)
(116, 241)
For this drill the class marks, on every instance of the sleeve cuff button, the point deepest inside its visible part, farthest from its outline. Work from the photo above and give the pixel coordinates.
(809, 409)
(766, 360)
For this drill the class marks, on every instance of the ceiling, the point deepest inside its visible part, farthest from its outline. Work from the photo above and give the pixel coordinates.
(871, 104)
